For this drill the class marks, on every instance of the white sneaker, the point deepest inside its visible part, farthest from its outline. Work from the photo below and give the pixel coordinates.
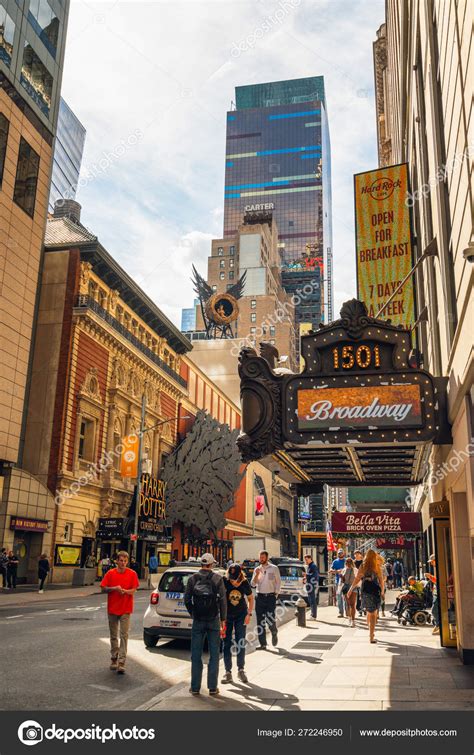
(40, 591)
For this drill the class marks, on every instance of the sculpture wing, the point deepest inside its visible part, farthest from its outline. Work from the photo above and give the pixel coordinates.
(238, 288)
(202, 289)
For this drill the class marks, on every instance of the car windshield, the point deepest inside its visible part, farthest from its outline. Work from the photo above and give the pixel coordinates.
(174, 581)
(291, 572)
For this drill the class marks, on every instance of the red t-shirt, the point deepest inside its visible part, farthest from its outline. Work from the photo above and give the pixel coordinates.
(116, 603)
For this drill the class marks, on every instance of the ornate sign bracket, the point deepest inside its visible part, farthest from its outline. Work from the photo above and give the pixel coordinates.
(360, 413)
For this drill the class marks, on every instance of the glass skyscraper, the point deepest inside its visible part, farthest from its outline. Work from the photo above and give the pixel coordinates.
(278, 158)
(68, 150)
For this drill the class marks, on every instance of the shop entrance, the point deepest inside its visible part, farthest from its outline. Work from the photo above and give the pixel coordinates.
(27, 548)
(445, 582)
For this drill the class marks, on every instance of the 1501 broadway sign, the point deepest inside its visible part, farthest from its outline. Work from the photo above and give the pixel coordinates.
(360, 413)
(376, 524)
(384, 242)
(368, 407)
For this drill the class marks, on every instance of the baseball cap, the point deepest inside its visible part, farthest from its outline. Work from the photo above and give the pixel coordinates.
(340, 550)
(207, 559)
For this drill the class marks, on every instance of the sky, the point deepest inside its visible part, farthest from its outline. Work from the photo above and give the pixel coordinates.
(152, 82)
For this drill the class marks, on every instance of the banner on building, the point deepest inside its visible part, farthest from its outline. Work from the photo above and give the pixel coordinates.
(387, 524)
(259, 506)
(129, 458)
(384, 253)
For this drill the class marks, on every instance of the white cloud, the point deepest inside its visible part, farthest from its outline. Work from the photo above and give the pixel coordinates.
(166, 68)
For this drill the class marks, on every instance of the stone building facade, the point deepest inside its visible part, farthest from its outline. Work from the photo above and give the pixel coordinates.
(423, 73)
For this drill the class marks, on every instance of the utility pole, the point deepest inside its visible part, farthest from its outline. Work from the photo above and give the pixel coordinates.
(139, 475)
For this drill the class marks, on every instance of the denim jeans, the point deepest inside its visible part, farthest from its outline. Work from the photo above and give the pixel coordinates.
(435, 611)
(340, 602)
(265, 605)
(235, 625)
(200, 630)
(312, 591)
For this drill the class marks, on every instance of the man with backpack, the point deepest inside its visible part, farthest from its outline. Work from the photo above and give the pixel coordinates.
(398, 573)
(206, 601)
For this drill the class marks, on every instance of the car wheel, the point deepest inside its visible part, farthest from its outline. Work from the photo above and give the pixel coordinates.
(150, 640)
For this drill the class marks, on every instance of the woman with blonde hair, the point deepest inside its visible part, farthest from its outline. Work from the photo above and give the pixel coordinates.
(370, 576)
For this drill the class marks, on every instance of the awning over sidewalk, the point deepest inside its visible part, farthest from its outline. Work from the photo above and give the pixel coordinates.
(361, 413)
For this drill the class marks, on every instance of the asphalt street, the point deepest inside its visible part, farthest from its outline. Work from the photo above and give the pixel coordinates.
(54, 655)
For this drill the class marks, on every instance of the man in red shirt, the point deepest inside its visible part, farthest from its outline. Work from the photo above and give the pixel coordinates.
(119, 584)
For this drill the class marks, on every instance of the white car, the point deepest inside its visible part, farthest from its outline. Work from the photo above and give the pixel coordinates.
(292, 573)
(166, 614)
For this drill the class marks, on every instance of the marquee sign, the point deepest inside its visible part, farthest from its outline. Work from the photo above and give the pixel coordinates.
(393, 523)
(360, 413)
(374, 407)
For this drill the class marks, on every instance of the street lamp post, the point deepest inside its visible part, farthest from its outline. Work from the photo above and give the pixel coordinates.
(142, 431)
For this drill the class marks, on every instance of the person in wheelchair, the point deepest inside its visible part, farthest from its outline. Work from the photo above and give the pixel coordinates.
(413, 593)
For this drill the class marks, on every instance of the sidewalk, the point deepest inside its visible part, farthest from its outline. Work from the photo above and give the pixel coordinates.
(26, 595)
(330, 666)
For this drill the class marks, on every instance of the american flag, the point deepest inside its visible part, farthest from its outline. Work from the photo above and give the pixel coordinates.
(330, 541)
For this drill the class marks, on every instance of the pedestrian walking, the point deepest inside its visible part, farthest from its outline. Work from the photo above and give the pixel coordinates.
(383, 567)
(389, 568)
(358, 558)
(206, 601)
(312, 585)
(348, 576)
(336, 568)
(3, 567)
(240, 603)
(431, 576)
(12, 570)
(372, 584)
(43, 570)
(397, 573)
(266, 578)
(120, 584)
(135, 566)
(153, 564)
(105, 565)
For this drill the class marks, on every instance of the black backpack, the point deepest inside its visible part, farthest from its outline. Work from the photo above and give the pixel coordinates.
(204, 597)
(371, 587)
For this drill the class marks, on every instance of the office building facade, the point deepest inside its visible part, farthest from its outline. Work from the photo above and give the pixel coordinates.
(67, 157)
(278, 159)
(32, 39)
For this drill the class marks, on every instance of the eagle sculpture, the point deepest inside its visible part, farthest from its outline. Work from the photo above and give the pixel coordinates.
(219, 311)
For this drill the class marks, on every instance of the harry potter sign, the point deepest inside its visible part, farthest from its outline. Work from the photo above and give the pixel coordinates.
(376, 523)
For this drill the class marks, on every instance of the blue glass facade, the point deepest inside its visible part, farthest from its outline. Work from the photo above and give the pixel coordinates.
(277, 155)
(68, 150)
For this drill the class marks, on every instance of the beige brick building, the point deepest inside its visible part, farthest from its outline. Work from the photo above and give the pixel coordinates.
(266, 311)
(424, 85)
